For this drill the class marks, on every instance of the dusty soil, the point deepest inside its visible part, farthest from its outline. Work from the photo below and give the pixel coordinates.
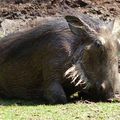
(24, 9)
(15, 14)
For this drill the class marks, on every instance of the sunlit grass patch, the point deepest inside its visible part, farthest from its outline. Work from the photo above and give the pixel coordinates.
(28, 110)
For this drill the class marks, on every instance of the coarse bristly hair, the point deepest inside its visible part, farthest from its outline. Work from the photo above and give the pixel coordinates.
(76, 73)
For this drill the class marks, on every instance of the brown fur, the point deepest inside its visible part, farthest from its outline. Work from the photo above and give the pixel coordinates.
(51, 61)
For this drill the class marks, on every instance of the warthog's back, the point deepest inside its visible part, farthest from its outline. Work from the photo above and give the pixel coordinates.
(21, 59)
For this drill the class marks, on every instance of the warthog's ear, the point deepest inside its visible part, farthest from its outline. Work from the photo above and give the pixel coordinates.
(78, 26)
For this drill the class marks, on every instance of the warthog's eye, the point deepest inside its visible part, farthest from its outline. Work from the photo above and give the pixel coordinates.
(94, 54)
(95, 49)
(98, 43)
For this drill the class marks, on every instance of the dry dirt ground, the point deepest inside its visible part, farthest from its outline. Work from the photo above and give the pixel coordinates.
(26, 10)
(32, 8)
(15, 14)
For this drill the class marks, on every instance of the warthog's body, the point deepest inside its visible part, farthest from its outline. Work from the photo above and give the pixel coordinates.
(51, 62)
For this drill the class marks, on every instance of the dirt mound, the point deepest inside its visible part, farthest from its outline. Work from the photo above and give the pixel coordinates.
(24, 12)
(24, 9)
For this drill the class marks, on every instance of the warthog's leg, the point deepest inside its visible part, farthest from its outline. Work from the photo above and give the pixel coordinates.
(52, 75)
(54, 93)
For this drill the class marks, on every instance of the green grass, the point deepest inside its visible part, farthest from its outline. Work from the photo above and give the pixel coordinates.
(24, 110)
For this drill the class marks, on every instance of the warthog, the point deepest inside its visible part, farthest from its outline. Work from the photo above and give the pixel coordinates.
(58, 58)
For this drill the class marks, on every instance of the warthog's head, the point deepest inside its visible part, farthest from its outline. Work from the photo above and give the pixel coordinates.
(96, 59)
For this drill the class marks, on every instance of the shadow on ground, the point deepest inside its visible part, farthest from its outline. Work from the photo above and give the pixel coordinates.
(22, 102)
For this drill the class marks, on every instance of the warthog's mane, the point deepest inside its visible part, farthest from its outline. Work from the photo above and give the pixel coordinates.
(76, 72)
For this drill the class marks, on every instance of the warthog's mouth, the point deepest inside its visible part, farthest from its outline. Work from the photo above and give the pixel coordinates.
(91, 97)
(94, 95)
(87, 90)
